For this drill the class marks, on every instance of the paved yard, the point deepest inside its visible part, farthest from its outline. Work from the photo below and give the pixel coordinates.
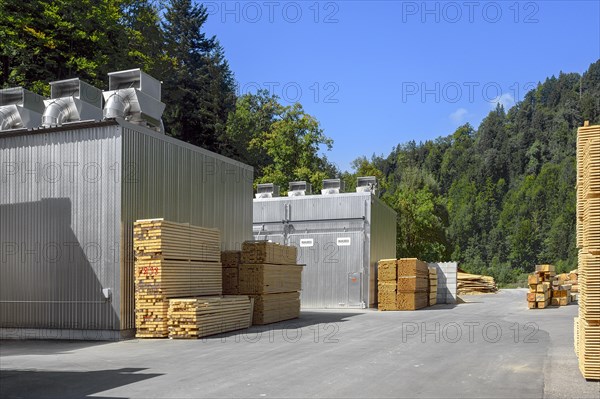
(492, 346)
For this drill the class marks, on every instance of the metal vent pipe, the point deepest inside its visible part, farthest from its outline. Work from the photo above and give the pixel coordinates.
(58, 112)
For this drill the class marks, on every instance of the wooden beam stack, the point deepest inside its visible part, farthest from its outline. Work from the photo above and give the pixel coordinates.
(540, 285)
(200, 317)
(171, 260)
(432, 285)
(231, 268)
(403, 284)
(270, 275)
(588, 242)
(387, 283)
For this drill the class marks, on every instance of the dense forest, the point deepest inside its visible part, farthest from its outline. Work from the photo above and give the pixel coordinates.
(498, 199)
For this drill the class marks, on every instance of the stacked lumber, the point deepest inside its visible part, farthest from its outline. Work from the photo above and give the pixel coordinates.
(433, 283)
(588, 242)
(258, 252)
(200, 317)
(403, 284)
(540, 286)
(413, 284)
(231, 268)
(387, 283)
(475, 284)
(270, 275)
(171, 260)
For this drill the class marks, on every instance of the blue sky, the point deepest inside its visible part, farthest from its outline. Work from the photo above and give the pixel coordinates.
(380, 73)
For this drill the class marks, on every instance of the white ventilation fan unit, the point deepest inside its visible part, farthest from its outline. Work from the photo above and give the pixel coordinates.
(332, 186)
(134, 96)
(367, 184)
(20, 109)
(72, 100)
(299, 188)
(267, 190)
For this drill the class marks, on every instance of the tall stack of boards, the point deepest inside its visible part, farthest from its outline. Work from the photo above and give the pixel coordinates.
(178, 282)
(587, 325)
(404, 284)
(269, 274)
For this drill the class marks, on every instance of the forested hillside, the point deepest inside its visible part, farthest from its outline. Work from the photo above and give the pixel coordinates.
(501, 198)
(498, 199)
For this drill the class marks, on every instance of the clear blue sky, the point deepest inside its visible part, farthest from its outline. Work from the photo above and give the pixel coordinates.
(380, 73)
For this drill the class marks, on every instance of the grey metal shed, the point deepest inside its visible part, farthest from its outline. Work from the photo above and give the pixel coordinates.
(340, 238)
(68, 199)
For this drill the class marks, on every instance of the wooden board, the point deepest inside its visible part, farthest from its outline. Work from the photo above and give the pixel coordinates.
(272, 308)
(475, 284)
(545, 268)
(231, 258)
(200, 317)
(387, 270)
(255, 279)
(256, 252)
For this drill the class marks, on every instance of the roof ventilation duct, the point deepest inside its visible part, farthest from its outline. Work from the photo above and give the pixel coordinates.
(267, 190)
(72, 100)
(332, 186)
(366, 184)
(134, 96)
(298, 188)
(20, 109)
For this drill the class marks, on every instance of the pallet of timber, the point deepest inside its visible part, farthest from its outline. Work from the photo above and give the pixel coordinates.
(589, 287)
(412, 300)
(387, 270)
(201, 317)
(269, 278)
(272, 308)
(432, 299)
(161, 239)
(589, 349)
(255, 252)
(410, 267)
(176, 278)
(432, 285)
(475, 284)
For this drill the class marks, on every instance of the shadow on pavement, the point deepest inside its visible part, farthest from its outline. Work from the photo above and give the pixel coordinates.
(65, 384)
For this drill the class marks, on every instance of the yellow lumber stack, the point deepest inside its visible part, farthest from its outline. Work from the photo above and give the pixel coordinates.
(270, 275)
(200, 317)
(432, 285)
(540, 287)
(387, 283)
(403, 284)
(231, 268)
(171, 260)
(588, 242)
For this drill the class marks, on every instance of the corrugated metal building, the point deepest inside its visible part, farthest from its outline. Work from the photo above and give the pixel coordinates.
(68, 200)
(340, 238)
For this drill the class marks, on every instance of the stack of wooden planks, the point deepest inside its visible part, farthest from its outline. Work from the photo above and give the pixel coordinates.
(588, 242)
(475, 284)
(540, 286)
(171, 260)
(432, 285)
(403, 284)
(231, 268)
(387, 283)
(199, 317)
(413, 284)
(270, 275)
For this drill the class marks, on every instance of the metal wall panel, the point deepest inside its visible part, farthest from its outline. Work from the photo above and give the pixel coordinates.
(167, 178)
(383, 242)
(60, 230)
